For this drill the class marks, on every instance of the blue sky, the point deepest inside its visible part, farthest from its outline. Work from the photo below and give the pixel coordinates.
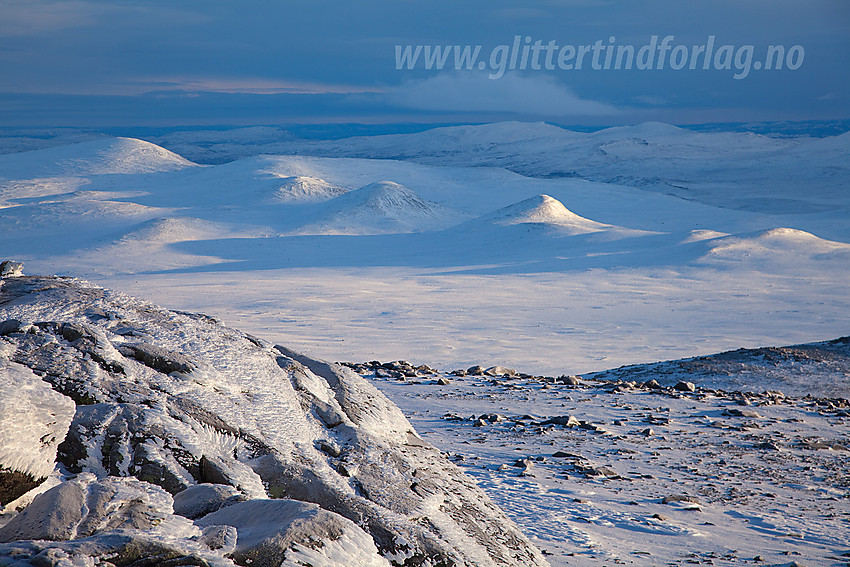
(158, 63)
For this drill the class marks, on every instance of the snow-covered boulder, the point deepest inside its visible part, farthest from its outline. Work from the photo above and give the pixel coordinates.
(83, 506)
(11, 269)
(215, 425)
(288, 532)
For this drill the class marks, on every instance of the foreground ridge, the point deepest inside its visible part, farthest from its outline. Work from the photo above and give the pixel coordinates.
(180, 441)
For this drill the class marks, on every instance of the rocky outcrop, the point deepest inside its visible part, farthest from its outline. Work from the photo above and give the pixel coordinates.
(184, 440)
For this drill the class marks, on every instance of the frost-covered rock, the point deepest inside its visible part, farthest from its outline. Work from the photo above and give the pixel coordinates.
(201, 499)
(83, 506)
(33, 421)
(11, 269)
(122, 520)
(176, 405)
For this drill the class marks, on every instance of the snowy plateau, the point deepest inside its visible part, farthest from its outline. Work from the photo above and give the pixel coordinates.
(569, 265)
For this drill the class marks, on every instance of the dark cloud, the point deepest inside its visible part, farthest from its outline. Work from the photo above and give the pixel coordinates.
(126, 48)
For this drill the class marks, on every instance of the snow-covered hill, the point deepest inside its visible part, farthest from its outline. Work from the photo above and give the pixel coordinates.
(97, 157)
(546, 211)
(305, 189)
(180, 440)
(382, 207)
(740, 171)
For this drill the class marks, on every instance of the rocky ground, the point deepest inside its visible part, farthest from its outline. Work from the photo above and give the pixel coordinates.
(604, 472)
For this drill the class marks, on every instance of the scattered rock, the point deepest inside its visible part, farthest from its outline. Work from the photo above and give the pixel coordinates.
(564, 455)
(499, 371)
(272, 532)
(565, 420)
(81, 507)
(10, 326)
(492, 417)
(734, 412)
(679, 498)
(685, 387)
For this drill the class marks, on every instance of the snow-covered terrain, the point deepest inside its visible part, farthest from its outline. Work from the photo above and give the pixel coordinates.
(525, 245)
(179, 441)
(633, 472)
(662, 242)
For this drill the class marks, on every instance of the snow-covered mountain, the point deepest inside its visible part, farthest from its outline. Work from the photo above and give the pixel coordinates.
(736, 170)
(177, 438)
(467, 249)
